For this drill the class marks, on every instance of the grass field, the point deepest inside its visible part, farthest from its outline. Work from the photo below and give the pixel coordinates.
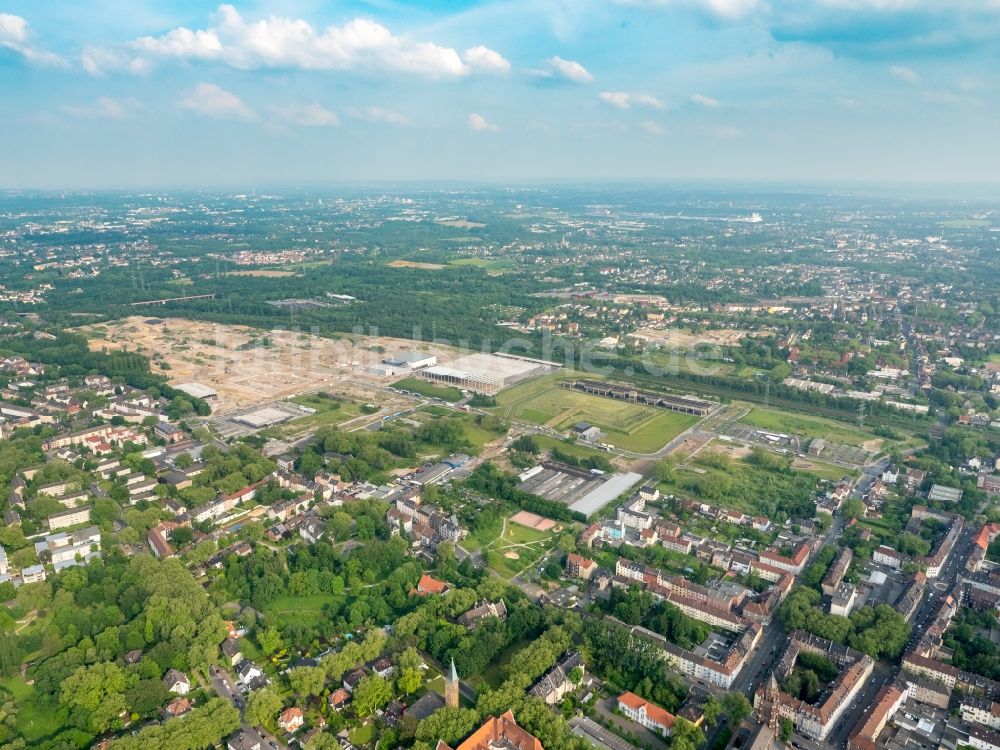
(362, 735)
(514, 534)
(301, 609)
(494, 266)
(527, 546)
(643, 429)
(797, 424)
(965, 223)
(823, 470)
(576, 449)
(737, 484)
(329, 411)
(426, 388)
(475, 434)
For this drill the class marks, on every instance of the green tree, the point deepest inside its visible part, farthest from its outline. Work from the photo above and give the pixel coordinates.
(95, 694)
(371, 694)
(447, 724)
(785, 729)
(409, 680)
(307, 681)
(262, 706)
(685, 735)
(269, 640)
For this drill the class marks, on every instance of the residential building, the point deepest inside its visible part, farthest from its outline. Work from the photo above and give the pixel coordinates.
(647, 714)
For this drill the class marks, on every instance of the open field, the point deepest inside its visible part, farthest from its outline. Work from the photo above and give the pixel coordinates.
(262, 273)
(676, 338)
(725, 478)
(477, 436)
(965, 223)
(811, 427)
(300, 609)
(459, 223)
(633, 427)
(822, 470)
(414, 264)
(487, 264)
(429, 389)
(511, 538)
(220, 356)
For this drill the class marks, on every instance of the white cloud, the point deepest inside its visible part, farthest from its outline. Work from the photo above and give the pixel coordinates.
(486, 59)
(13, 29)
(280, 42)
(652, 127)
(728, 10)
(569, 70)
(726, 132)
(619, 99)
(311, 115)
(479, 123)
(904, 74)
(625, 100)
(14, 35)
(104, 107)
(705, 101)
(378, 114)
(213, 101)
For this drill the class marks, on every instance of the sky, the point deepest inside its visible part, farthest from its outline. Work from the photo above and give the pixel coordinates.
(179, 93)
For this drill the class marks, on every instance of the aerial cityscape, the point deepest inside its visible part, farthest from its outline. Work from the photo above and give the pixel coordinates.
(352, 399)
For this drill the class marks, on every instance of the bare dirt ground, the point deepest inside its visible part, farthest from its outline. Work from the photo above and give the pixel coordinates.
(208, 353)
(690, 446)
(734, 451)
(678, 339)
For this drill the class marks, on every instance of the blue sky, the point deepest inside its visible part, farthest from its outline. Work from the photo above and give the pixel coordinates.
(124, 93)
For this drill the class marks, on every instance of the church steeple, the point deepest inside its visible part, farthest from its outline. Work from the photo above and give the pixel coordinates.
(451, 686)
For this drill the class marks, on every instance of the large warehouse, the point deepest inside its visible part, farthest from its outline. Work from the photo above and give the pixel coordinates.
(197, 390)
(585, 492)
(411, 360)
(486, 373)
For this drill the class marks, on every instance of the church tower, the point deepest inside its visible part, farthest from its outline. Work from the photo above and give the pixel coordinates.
(451, 687)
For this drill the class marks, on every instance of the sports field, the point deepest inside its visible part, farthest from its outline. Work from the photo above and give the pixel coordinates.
(643, 429)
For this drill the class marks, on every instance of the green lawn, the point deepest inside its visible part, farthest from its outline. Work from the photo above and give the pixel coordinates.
(739, 485)
(362, 735)
(487, 264)
(517, 534)
(633, 427)
(18, 688)
(34, 723)
(431, 390)
(302, 609)
(812, 427)
(824, 470)
(329, 411)
(576, 449)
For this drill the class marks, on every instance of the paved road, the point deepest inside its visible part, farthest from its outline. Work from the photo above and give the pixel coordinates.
(885, 673)
(225, 686)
